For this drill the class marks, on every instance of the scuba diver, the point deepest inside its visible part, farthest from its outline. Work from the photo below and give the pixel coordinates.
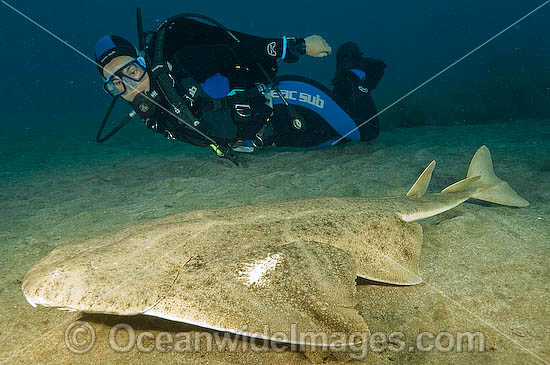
(210, 86)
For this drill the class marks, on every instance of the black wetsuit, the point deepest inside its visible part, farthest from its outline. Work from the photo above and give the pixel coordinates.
(201, 54)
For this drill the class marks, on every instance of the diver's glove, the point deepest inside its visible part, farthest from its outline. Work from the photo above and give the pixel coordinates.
(292, 49)
(317, 47)
(314, 46)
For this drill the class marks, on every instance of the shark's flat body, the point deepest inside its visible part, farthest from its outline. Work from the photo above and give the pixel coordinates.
(256, 270)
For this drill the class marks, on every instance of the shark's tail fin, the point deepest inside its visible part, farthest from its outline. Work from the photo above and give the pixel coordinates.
(487, 185)
(481, 183)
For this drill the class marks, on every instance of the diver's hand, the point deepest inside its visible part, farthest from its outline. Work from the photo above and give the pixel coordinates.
(316, 46)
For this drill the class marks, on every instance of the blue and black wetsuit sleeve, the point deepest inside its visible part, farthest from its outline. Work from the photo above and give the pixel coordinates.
(201, 61)
(258, 49)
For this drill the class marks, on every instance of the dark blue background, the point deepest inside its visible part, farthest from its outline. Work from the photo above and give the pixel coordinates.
(47, 86)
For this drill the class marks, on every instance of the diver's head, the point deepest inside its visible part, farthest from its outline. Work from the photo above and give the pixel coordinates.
(124, 73)
(125, 76)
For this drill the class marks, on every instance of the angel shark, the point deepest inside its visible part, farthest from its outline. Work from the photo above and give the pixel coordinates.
(256, 270)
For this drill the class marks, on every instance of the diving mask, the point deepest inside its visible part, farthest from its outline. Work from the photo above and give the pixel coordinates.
(128, 76)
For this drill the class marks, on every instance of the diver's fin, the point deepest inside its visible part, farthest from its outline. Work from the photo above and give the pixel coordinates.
(421, 185)
(489, 187)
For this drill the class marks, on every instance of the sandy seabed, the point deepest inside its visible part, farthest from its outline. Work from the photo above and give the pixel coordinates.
(485, 267)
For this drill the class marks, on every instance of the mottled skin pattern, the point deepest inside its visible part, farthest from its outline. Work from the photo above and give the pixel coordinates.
(259, 269)
(189, 267)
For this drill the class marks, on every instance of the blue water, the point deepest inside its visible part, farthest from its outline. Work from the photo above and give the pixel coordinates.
(59, 187)
(48, 87)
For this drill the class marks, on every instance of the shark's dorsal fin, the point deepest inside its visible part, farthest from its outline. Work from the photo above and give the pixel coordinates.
(421, 185)
(460, 185)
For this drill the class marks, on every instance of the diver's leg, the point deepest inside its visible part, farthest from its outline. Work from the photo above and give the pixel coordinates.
(355, 78)
(280, 133)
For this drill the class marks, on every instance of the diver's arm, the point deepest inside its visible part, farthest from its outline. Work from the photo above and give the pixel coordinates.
(289, 49)
(202, 61)
(157, 124)
(172, 130)
(259, 49)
